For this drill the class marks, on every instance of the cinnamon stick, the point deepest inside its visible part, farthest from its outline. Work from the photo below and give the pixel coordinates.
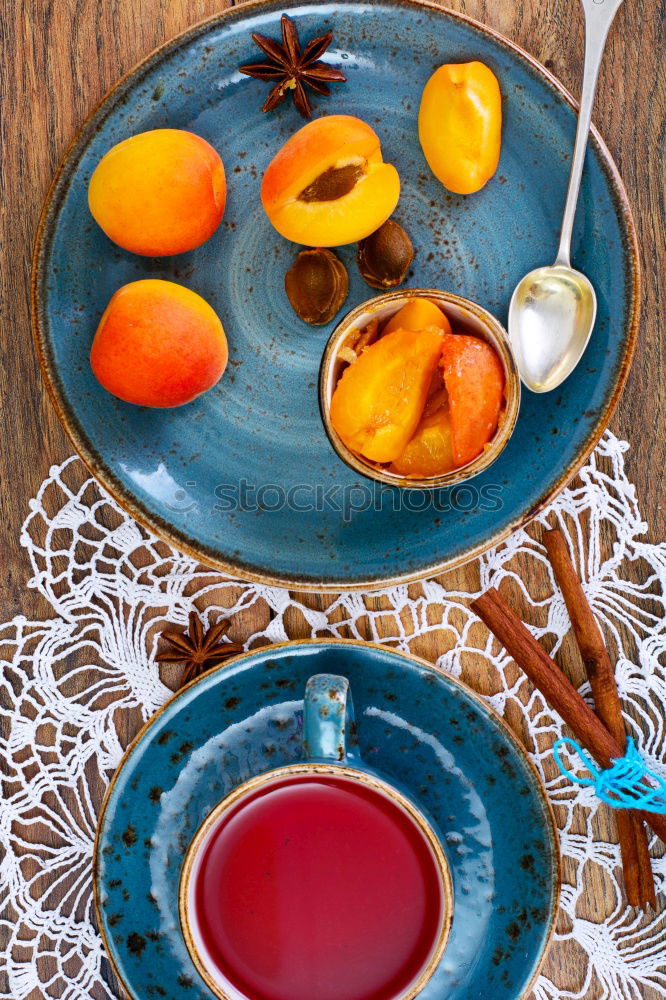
(634, 848)
(554, 686)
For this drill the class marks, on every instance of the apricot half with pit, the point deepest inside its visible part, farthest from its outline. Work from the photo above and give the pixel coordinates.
(158, 344)
(328, 185)
(159, 193)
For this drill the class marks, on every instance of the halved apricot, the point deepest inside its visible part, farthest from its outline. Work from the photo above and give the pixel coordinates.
(460, 125)
(417, 314)
(430, 451)
(474, 380)
(378, 402)
(328, 185)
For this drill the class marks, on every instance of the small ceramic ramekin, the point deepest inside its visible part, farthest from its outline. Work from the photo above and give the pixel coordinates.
(465, 317)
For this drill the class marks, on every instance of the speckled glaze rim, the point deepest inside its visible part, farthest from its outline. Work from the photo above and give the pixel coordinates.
(327, 770)
(494, 333)
(556, 872)
(158, 525)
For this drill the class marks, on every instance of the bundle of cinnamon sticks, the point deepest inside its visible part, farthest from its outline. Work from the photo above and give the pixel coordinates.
(603, 733)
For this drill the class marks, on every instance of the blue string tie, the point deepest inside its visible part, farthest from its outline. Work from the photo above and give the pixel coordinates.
(620, 786)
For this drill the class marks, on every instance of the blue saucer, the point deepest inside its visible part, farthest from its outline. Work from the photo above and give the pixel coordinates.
(416, 726)
(244, 478)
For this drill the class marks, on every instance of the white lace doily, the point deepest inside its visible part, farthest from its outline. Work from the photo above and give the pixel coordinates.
(112, 586)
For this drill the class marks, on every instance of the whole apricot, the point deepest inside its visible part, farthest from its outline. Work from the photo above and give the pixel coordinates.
(378, 401)
(328, 185)
(460, 125)
(474, 380)
(159, 193)
(158, 344)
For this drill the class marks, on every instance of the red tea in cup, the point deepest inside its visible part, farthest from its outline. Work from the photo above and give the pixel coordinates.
(316, 886)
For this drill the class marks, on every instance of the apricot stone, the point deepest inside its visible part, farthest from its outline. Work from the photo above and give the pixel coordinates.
(328, 185)
(378, 402)
(158, 344)
(159, 193)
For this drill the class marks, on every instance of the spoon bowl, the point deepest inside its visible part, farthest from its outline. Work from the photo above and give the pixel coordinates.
(551, 317)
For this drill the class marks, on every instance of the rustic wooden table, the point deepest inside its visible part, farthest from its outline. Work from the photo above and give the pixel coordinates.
(58, 58)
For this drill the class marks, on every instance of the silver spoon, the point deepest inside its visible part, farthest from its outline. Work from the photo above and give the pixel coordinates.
(553, 309)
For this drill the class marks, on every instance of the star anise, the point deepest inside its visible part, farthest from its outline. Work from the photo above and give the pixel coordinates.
(293, 69)
(198, 648)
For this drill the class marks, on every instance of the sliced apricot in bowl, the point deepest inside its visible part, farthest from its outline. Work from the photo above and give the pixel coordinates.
(430, 450)
(392, 415)
(328, 185)
(474, 380)
(379, 399)
(417, 314)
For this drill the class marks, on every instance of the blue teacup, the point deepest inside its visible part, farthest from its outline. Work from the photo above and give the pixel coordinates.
(319, 879)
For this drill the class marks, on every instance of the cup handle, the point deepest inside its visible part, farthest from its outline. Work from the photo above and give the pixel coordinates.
(329, 730)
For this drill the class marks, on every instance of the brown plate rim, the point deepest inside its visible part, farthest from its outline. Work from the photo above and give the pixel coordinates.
(203, 554)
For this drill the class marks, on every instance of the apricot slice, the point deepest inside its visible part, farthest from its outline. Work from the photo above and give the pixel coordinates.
(328, 185)
(474, 380)
(379, 399)
(460, 125)
(437, 397)
(430, 451)
(158, 344)
(159, 193)
(417, 314)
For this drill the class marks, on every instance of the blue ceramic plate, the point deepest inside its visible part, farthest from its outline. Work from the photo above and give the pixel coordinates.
(418, 727)
(244, 478)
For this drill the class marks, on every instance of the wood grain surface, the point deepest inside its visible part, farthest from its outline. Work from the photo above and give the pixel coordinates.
(57, 59)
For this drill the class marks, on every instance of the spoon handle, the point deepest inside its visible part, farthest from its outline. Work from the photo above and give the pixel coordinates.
(599, 16)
